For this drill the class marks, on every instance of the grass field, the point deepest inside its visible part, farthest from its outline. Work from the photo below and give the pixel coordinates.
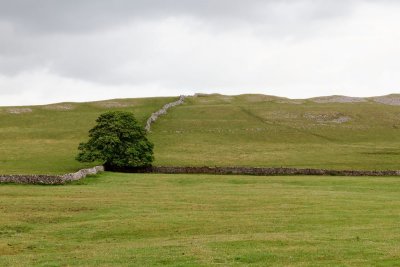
(202, 220)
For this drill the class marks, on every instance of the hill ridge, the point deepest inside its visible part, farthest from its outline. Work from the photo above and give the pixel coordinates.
(394, 97)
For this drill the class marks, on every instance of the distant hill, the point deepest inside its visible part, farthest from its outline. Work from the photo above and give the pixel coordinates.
(247, 130)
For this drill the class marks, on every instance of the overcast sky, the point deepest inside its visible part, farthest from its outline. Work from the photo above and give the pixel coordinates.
(59, 50)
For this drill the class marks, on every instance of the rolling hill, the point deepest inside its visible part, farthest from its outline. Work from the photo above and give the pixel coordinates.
(256, 130)
(247, 130)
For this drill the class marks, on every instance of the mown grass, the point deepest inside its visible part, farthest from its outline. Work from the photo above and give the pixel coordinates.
(256, 130)
(202, 220)
(44, 139)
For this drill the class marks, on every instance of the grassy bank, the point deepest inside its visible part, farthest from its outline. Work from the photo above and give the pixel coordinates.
(194, 220)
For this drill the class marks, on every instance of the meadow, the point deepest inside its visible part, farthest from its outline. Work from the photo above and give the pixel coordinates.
(117, 219)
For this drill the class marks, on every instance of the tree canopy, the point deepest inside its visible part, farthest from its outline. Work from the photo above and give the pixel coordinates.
(118, 140)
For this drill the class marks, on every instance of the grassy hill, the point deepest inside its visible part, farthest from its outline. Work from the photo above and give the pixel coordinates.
(257, 130)
(246, 130)
(44, 139)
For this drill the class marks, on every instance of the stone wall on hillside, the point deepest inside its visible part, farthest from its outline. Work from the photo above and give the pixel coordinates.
(50, 179)
(163, 111)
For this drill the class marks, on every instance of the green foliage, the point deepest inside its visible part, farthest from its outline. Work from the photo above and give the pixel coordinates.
(118, 140)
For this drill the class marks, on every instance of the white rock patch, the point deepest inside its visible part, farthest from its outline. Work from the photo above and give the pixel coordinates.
(393, 100)
(338, 99)
(327, 118)
(113, 104)
(59, 107)
(19, 110)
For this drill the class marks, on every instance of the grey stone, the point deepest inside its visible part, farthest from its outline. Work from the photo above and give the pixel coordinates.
(50, 179)
(163, 111)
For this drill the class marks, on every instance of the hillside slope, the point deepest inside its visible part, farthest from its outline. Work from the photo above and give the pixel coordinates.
(247, 130)
(256, 130)
(44, 139)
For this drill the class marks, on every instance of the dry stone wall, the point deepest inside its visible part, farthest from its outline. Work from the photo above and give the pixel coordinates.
(82, 173)
(50, 179)
(62, 179)
(163, 111)
(257, 171)
(31, 179)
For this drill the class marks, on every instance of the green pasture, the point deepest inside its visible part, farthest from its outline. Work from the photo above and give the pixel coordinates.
(202, 220)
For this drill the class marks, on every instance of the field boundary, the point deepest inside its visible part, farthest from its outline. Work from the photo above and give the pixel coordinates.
(154, 117)
(254, 171)
(50, 179)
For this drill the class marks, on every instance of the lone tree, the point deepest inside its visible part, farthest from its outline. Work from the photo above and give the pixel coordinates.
(117, 140)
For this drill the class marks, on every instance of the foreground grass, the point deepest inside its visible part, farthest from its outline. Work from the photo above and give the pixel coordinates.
(202, 220)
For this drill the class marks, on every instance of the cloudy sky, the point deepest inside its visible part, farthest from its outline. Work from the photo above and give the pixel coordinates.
(59, 50)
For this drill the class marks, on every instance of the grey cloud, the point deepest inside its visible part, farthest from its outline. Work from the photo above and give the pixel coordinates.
(181, 43)
(88, 15)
